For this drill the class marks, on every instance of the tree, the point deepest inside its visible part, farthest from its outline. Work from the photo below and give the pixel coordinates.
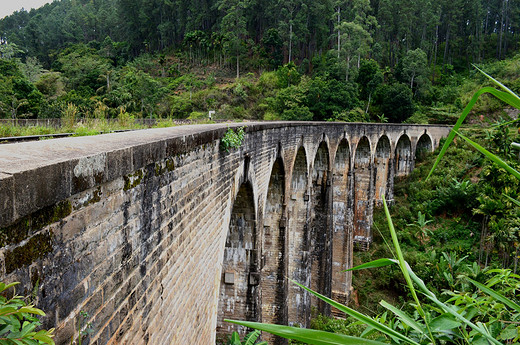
(396, 102)
(369, 79)
(415, 65)
(83, 66)
(233, 27)
(292, 24)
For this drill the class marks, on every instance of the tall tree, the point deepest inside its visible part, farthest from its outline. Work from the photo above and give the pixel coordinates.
(233, 28)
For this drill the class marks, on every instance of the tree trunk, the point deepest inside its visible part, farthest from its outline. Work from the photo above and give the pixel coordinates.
(348, 68)
(339, 33)
(446, 46)
(499, 48)
(290, 41)
(238, 66)
(368, 103)
(436, 43)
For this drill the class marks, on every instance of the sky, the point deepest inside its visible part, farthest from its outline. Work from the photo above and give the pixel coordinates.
(7, 7)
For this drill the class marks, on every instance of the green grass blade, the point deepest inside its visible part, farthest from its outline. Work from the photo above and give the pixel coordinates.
(516, 202)
(405, 318)
(515, 146)
(361, 317)
(511, 99)
(448, 309)
(309, 336)
(492, 157)
(496, 82)
(372, 264)
(496, 295)
(400, 257)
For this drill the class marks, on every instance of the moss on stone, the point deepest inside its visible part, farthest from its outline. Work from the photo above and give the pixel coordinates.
(163, 168)
(29, 224)
(37, 247)
(96, 196)
(133, 180)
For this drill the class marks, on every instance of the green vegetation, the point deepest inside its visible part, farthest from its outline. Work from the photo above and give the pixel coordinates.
(361, 60)
(232, 139)
(18, 321)
(249, 339)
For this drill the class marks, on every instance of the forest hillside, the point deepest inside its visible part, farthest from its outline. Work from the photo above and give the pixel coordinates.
(358, 60)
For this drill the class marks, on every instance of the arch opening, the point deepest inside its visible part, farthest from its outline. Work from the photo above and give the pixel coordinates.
(321, 228)
(403, 157)
(424, 147)
(382, 165)
(342, 230)
(273, 283)
(299, 258)
(362, 193)
(238, 295)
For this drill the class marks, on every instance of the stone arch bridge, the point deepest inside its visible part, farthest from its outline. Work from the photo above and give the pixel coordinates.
(160, 234)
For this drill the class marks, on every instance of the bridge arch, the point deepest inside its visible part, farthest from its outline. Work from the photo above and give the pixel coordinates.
(274, 251)
(342, 230)
(238, 294)
(321, 234)
(299, 240)
(362, 192)
(424, 146)
(382, 159)
(403, 156)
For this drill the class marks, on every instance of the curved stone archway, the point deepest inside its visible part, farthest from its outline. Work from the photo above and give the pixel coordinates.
(299, 242)
(274, 251)
(424, 147)
(238, 296)
(382, 166)
(321, 234)
(403, 156)
(362, 193)
(342, 224)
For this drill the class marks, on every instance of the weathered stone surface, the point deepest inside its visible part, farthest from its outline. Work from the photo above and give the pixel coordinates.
(159, 235)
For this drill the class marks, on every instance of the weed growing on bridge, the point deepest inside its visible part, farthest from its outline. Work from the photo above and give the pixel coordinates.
(232, 139)
(486, 317)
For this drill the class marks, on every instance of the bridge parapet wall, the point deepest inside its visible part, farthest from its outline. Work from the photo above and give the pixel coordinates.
(132, 227)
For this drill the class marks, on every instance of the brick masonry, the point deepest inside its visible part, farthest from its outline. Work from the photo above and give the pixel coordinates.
(159, 234)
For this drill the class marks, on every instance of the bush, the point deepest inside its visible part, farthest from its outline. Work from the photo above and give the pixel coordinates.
(396, 102)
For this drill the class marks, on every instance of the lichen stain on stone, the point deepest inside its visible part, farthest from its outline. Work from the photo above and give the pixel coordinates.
(29, 224)
(36, 247)
(90, 166)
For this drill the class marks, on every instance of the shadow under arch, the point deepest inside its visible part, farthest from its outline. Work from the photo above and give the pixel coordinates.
(274, 250)
(238, 294)
(321, 228)
(424, 147)
(403, 156)
(342, 230)
(362, 193)
(299, 242)
(382, 165)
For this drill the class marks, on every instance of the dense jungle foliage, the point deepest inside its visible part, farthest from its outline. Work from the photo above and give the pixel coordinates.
(359, 60)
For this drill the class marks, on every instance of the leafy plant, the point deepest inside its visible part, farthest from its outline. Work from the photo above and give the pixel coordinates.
(18, 321)
(83, 328)
(232, 139)
(249, 339)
